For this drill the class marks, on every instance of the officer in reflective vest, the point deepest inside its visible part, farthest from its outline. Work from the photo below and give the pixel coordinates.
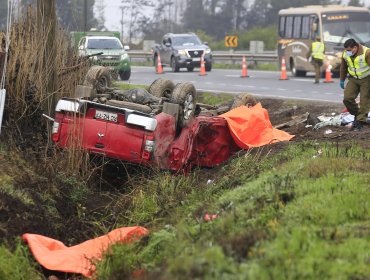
(356, 64)
(317, 53)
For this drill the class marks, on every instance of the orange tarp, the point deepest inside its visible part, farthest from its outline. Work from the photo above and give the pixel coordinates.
(251, 127)
(54, 255)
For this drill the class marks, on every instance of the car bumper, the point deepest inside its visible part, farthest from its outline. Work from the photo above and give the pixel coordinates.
(183, 61)
(119, 66)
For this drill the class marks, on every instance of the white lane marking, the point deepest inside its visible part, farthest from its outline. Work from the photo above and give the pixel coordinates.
(222, 84)
(251, 86)
(282, 89)
(272, 96)
(303, 80)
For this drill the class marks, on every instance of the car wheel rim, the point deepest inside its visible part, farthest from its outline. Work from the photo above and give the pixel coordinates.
(188, 106)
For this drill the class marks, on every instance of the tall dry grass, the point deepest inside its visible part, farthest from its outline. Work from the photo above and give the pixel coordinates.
(29, 71)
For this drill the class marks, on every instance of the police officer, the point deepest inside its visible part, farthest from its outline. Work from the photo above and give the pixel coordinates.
(356, 64)
(317, 53)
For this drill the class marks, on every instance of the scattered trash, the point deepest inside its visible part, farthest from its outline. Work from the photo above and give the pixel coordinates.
(308, 126)
(319, 153)
(209, 217)
(337, 120)
(328, 131)
(296, 120)
(209, 182)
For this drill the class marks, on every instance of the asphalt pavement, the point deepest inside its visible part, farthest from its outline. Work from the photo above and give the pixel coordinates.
(260, 83)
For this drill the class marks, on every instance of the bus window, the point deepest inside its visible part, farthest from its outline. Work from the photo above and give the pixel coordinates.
(305, 27)
(297, 27)
(315, 28)
(289, 27)
(282, 27)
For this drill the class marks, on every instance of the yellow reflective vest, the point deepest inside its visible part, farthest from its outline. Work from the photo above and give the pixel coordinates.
(318, 49)
(357, 68)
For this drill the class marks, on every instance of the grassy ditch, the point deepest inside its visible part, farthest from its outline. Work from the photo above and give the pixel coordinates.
(298, 210)
(298, 214)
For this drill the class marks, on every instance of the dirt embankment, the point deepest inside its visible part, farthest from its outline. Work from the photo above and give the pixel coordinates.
(32, 201)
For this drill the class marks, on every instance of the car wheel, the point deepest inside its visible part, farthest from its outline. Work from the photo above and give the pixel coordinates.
(155, 61)
(161, 88)
(185, 95)
(174, 66)
(125, 75)
(208, 67)
(293, 69)
(99, 78)
(190, 68)
(243, 99)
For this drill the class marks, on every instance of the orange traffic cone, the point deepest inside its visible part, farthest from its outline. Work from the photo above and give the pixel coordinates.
(202, 66)
(159, 68)
(328, 78)
(283, 70)
(244, 68)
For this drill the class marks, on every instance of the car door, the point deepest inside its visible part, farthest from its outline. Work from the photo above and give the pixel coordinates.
(166, 50)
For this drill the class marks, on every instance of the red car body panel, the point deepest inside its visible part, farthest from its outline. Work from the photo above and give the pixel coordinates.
(206, 141)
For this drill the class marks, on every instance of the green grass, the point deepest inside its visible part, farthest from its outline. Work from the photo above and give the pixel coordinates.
(17, 264)
(289, 216)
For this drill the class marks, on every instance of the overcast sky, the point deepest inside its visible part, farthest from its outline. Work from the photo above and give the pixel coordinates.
(113, 14)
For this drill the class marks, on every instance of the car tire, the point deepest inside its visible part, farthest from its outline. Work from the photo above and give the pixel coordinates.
(190, 68)
(99, 78)
(161, 88)
(174, 66)
(208, 67)
(243, 99)
(185, 95)
(125, 75)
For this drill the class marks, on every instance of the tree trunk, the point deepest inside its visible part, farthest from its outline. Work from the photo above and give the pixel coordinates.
(46, 24)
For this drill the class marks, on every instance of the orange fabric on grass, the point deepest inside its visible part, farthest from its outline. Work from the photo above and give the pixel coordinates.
(54, 255)
(251, 127)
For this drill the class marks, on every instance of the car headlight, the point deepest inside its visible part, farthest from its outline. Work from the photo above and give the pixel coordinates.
(182, 52)
(124, 56)
(207, 51)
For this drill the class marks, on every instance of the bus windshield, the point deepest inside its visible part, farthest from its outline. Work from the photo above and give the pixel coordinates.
(338, 27)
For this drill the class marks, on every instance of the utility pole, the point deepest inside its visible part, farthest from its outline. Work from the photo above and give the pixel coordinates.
(85, 15)
(122, 11)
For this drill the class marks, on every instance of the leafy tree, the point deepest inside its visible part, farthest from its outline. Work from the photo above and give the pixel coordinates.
(137, 18)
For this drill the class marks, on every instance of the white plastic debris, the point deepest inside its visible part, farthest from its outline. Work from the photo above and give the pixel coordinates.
(328, 131)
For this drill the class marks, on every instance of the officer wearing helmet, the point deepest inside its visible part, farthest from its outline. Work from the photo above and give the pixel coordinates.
(356, 65)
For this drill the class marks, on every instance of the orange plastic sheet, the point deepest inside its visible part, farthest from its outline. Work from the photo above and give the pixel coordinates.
(251, 127)
(54, 255)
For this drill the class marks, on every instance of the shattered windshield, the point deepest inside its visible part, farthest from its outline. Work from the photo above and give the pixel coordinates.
(186, 41)
(109, 44)
(338, 27)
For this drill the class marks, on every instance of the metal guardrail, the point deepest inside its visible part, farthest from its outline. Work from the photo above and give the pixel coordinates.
(218, 56)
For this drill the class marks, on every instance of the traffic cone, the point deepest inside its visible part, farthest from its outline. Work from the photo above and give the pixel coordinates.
(283, 70)
(202, 66)
(159, 68)
(328, 78)
(244, 68)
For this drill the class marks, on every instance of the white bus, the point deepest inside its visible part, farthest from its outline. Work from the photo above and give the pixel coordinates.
(298, 28)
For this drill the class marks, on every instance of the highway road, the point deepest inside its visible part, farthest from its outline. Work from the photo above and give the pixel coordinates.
(260, 83)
